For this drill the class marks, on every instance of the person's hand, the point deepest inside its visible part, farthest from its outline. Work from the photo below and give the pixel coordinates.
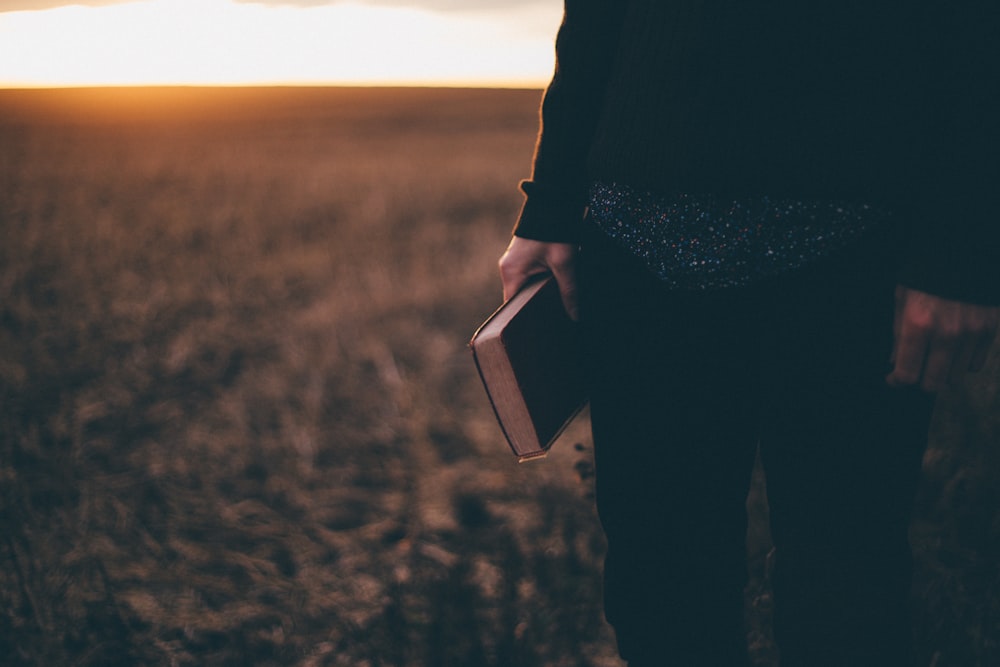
(526, 258)
(937, 340)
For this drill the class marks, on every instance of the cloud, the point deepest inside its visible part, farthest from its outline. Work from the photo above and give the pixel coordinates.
(30, 5)
(434, 5)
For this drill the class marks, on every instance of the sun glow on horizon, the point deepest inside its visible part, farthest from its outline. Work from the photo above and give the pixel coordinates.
(221, 42)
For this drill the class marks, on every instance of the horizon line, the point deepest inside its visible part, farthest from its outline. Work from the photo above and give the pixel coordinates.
(510, 85)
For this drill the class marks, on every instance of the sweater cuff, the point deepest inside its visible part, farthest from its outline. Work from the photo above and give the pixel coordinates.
(957, 264)
(550, 216)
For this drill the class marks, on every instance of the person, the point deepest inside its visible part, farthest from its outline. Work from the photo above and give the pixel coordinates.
(776, 223)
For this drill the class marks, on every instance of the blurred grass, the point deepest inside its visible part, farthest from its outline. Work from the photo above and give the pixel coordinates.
(239, 425)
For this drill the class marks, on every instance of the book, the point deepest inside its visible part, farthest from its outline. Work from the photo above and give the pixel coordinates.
(528, 357)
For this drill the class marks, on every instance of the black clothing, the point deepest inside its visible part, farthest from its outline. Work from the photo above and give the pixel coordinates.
(684, 386)
(893, 103)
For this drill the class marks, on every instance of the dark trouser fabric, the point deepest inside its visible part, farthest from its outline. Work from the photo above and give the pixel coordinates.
(686, 386)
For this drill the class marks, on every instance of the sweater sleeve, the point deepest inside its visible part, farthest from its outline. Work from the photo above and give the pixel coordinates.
(954, 226)
(555, 195)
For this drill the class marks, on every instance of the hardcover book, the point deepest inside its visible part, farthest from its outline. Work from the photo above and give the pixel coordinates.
(528, 356)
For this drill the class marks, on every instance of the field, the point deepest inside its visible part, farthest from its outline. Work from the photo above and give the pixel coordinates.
(239, 424)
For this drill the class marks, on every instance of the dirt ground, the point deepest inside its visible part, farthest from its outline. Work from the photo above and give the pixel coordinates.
(239, 424)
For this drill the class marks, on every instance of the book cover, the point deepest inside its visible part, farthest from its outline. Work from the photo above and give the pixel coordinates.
(528, 356)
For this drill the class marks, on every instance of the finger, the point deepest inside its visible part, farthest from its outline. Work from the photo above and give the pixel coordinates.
(570, 301)
(515, 274)
(565, 275)
(973, 349)
(965, 357)
(513, 282)
(911, 350)
(981, 351)
(979, 333)
(942, 356)
(897, 321)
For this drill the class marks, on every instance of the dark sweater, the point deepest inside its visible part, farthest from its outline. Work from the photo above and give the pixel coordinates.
(889, 102)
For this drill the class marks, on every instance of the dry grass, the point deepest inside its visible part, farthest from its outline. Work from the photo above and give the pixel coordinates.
(239, 424)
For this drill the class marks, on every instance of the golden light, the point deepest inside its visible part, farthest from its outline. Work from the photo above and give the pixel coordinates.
(224, 42)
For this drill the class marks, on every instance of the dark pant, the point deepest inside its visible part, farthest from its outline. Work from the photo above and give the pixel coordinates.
(685, 387)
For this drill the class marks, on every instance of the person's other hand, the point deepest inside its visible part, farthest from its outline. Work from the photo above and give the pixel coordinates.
(937, 340)
(526, 258)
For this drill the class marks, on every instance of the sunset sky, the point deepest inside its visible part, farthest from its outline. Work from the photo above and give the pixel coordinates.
(209, 42)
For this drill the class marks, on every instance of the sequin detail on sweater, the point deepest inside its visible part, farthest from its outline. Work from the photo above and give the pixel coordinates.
(703, 243)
